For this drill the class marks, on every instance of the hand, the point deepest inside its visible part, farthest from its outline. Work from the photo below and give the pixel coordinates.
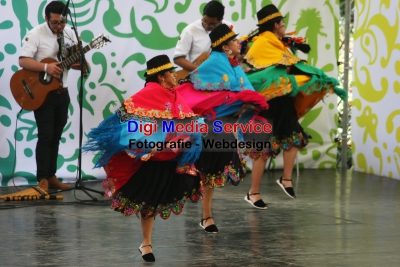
(53, 69)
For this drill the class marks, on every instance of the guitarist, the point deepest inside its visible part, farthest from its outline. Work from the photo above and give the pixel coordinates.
(49, 40)
(195, 39)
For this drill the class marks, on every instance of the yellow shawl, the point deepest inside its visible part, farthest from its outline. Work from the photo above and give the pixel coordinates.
(268, 50)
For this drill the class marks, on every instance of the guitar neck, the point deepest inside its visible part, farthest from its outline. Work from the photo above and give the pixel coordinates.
(74, 58)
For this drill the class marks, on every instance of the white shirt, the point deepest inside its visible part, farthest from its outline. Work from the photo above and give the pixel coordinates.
(194, 41)
(41, 43)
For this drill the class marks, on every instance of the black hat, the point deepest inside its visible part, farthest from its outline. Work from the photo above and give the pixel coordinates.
(158, 64)
(221, 34)
(267, 14)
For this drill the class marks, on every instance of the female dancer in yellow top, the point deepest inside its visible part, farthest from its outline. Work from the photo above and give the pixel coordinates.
(291, 88)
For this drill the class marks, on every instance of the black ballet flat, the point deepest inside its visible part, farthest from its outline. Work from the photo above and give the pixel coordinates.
(288, 190)
(149, 257)
(211, 229)
(259, 204)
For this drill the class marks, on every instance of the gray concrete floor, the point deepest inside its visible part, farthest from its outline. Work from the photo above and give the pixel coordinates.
(350, 220)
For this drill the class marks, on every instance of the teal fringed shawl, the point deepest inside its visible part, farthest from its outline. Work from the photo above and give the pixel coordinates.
(216, 74)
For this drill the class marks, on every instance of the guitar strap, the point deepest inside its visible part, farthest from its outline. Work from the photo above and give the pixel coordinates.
(62, 52)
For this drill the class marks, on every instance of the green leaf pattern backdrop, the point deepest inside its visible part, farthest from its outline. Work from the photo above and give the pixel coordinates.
(139, 30)
(376, 88)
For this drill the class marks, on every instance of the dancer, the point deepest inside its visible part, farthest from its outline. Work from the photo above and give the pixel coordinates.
(219, 89)
(291, 88)
(148, 174)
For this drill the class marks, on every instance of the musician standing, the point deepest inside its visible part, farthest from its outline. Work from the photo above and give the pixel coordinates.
(49, 40)
(195, 39)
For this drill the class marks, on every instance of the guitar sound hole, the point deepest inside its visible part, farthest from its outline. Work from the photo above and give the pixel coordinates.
(44, 81)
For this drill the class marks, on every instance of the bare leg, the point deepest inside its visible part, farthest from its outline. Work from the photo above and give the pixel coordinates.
(256, 174)
(289, 157)
(147, 228)
(207, 201)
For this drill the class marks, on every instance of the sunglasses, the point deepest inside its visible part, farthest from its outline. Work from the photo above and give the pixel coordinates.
(56, 23)
(211, 25)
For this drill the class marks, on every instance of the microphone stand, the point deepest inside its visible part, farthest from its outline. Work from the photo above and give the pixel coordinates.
(79, 183)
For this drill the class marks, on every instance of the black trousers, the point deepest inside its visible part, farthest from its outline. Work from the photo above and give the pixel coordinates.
(51, 119)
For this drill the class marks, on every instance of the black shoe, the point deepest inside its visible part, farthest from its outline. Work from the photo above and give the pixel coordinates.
(149, 257)
(259, 204)
(288, 190)
(211, 229)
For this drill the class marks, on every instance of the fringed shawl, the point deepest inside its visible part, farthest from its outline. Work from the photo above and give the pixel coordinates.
(267, 50)
(153, 106)
(216, 74)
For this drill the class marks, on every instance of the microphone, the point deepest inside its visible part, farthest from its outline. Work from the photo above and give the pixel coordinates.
(65, 12)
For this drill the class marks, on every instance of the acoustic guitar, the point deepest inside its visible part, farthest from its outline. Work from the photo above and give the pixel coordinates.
(30, 88)
(182, 74)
